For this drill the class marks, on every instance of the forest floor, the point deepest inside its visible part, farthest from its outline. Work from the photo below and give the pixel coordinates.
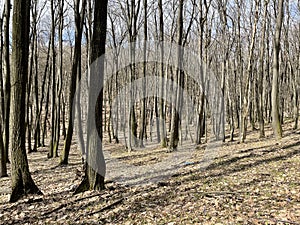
(256, 182)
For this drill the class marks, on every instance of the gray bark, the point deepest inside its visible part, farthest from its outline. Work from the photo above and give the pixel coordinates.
(275, 89)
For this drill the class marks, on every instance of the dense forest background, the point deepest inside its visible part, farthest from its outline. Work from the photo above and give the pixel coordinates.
(174, 72)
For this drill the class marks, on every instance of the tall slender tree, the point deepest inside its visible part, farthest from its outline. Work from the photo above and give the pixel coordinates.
(245, 107)
(261, 72)
(275, 89)
(53, 114)
(3, 168)
(95, 164)
(79, 17)
(21, 180)
(174, 139)
(163, 138)
(7, 76)
(143, 107)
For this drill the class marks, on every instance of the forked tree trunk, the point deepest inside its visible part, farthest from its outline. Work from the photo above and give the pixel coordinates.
(21, 180)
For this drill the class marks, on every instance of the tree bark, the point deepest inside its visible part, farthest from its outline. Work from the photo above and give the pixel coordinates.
(79, 17)
(7, 74)
(275, 89)
(43, 96)
(174, 138)
(2, 109)
(261, 74)
(162, 116)
(37, 125)
(3, 168)
(51, 153)
(296, 95)
(249, 80)
(143, 107)
(21, 180)
(95, 164)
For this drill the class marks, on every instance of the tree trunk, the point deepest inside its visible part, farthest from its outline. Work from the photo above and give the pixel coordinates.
(296, 96)
(28, 95)
(37, 125)
(174, 138)
(275, 89)
(248, 89)
(76, 63)
(21, 180)
(143, 107)
(59, 76)
(7, 74)
(261, 75)
(3, 168)
(53, 85)
(95, 164)
(39, 116)
(163, 137)
(2, 108)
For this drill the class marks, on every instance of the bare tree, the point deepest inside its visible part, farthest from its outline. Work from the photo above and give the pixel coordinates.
(21, 180)
(53, 114)
(275, 99)
(261, 72)
(143, 107)
(246, 99)
(95, 165)
(131, 13)
(3, 167)
(174, 138)
(163, 136)
(7, 76)
(79, 18)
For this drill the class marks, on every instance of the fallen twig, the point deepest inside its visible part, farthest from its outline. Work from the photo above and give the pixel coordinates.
(217, 193)
(116, 202)
(71, 202)
(107, 206)
(55, 209)
(86, 197)
(102, 209)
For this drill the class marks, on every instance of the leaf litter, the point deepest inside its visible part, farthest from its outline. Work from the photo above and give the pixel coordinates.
(256, 182)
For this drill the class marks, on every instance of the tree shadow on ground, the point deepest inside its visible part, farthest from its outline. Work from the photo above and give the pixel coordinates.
(230, 166)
